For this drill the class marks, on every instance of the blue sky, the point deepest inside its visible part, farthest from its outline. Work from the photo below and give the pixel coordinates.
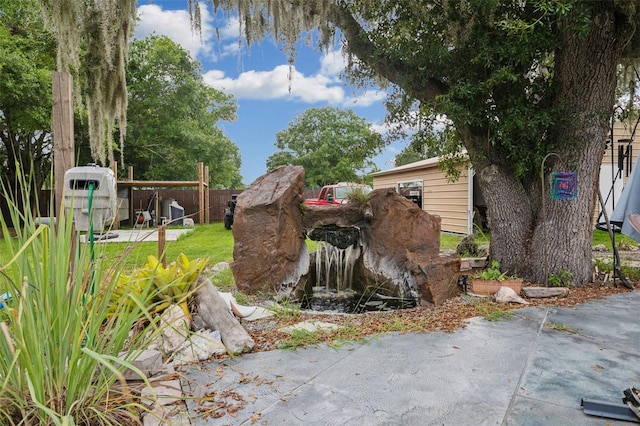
(267, 98)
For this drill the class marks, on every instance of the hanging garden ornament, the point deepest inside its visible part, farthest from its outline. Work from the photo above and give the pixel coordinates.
(563, 185)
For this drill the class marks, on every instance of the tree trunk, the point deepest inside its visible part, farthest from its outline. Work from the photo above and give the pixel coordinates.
(510, 218)
(586, 68)
(535, 242)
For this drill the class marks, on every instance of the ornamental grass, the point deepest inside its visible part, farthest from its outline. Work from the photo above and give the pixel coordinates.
(60, 339)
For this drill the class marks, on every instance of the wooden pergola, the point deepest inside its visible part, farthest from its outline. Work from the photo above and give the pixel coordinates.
(202, 184)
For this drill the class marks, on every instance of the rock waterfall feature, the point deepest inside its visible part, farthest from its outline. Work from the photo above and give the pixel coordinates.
(387, 246)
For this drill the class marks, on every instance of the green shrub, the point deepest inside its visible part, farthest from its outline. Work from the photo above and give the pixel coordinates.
(492, 272)
(563, 278)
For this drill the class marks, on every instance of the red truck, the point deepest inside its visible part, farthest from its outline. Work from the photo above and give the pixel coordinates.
(336, 194)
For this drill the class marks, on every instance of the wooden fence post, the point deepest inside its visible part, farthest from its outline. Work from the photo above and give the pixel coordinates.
(200, 193)
(207, 218)
(162, 243)
(62, 129)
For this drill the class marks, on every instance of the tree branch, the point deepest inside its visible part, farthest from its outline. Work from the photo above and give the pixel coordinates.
(395, 71)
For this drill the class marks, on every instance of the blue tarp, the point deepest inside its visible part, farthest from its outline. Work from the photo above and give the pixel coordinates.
(629, 204)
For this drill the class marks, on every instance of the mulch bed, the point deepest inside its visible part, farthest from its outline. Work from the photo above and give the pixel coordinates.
(448, 317)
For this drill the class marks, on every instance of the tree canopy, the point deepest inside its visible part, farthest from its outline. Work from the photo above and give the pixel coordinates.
(27, 58)
(332, 144)
(174, 118)
(518, 80)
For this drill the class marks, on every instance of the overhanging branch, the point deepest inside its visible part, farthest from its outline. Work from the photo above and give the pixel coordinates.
(395, 71)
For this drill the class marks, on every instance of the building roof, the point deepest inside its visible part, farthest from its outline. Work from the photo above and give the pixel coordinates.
(422, 164)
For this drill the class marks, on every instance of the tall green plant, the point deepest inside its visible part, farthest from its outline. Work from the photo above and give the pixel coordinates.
(59, 344)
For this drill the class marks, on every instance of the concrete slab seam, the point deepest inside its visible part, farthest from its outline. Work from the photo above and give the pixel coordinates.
(525, 368)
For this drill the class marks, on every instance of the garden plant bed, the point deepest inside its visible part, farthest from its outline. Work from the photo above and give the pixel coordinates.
(448, 317)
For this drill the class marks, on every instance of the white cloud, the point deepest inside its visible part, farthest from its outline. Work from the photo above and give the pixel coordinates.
(381, 128)
(367, 98)
(279, 83)
(333, 63)
(231, 31)
(325, 86)
(283, 82)
(176, 25)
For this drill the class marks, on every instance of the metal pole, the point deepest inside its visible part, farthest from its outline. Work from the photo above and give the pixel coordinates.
(544, 220)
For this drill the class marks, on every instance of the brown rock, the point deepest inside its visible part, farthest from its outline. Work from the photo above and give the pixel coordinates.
(441, 281)
(269, 251)
(401, 242)
(340, 215)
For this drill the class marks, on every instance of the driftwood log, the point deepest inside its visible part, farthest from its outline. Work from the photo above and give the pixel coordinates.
(216, 315)
(542, 292)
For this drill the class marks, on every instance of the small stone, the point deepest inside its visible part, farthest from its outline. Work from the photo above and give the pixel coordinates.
(310, 326)
(174, 326)
(148, 361)
(218, 268)
(199, 347)
(166, 392)
(174, 415)
(508, 295)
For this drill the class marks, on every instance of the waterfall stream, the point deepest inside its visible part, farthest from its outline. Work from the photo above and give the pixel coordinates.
(336, 286)
(334, 267)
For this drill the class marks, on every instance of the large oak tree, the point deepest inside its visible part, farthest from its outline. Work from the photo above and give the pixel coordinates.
(518, 79)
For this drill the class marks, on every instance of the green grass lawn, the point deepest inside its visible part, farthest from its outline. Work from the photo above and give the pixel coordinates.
(216, 243)
(602, 237)
(210, 241)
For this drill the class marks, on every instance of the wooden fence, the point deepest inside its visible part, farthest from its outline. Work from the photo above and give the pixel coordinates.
(187, 198)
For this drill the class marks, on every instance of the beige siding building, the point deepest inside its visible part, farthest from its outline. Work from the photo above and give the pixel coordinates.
(425, 184)
(460, 204)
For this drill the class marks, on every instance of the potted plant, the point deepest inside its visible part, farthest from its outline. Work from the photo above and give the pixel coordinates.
(492, 278)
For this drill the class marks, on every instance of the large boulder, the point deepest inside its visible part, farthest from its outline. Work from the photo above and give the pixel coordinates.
(269, 253)
(401, 251)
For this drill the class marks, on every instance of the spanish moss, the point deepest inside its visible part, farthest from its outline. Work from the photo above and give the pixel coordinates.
(93, 40)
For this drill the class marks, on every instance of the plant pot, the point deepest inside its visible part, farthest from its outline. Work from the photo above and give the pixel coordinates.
(491, 287)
